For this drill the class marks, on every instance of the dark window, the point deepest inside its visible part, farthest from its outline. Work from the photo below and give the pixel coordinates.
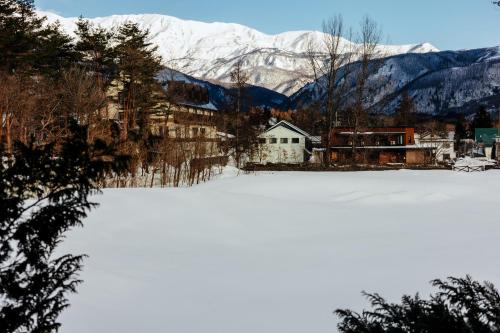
(262, 141)
(195, 132)
(273, 140)
(203, 131)
(446, 157)
(284, 140)
(295, 140)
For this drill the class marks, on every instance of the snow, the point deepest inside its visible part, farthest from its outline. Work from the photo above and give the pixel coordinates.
(278, 252)
(210, 50)
(474, 162)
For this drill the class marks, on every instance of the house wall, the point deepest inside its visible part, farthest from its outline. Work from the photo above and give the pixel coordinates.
(378, 136)
(442, 148)
(184, 122)
(415, 157)
(279, 152)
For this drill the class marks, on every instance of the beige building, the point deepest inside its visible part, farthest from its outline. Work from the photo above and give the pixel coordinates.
(185, 121)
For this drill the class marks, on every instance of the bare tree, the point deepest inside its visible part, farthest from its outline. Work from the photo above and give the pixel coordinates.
(330, 63)
(368, 41)
(239, 78)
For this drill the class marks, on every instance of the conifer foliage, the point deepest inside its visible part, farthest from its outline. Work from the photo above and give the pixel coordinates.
(461, 305)
(95, 52)
(27, 44)
(44, 193)
(138, 66)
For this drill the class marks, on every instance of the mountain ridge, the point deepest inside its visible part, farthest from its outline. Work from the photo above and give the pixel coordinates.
(208, 51)
(439, 83)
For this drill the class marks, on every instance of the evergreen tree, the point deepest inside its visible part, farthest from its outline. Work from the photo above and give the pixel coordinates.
(461, 129)
(96, 52)
(482, 119)
(27, 44)
(405, 112)
(460, 306)
(41, 198)
(19, 31)
(55, 52)
(138, 66)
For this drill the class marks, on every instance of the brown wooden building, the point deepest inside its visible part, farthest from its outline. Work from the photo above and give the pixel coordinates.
(377, 145)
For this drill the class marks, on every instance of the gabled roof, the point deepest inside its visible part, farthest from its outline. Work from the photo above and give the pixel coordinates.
(295, 129)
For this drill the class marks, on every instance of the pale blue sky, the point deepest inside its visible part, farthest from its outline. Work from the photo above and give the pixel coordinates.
(448, 24)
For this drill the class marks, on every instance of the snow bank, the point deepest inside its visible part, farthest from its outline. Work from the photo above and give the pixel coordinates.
(278, 252)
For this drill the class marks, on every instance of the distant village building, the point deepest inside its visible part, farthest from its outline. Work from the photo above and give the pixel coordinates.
(285, 143)
(442, 147)
(380, 145)
(486, 141)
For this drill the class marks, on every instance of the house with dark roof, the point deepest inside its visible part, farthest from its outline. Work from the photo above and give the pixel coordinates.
(285, 143)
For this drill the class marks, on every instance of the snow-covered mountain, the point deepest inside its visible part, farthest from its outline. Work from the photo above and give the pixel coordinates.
(439, 83)
(209, 50)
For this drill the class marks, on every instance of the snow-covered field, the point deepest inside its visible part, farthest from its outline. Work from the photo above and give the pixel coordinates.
(274, 253)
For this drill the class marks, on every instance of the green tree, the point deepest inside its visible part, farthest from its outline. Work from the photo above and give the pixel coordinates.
(95, 51)
(461, 305)
(461, 131)
(482, 119)
(138, 66)
(405, 115)
(27, 44)
(55, 52)
(19, 28)
(41, 199)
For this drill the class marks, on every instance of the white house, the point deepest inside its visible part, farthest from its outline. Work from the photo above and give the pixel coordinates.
(443, 147)
(284, 143)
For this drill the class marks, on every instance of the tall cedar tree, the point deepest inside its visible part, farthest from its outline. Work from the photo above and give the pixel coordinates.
(461, 131)
(461, 305)
(27, 44)
(19, 32)
(138, 66)
(482, 119)
(41, 198)
(405, 112)
(96, 52)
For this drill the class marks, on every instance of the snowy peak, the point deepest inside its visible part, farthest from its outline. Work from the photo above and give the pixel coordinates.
(209, 50)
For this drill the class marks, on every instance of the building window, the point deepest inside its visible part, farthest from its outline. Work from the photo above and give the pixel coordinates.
(273, 140)
(295, 140)
(203, 131)
(446, 145)
(262, 141)
(284, 140)
(446, 157)
(195, 132)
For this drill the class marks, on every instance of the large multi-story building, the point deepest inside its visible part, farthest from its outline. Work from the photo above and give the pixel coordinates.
(184, 121)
